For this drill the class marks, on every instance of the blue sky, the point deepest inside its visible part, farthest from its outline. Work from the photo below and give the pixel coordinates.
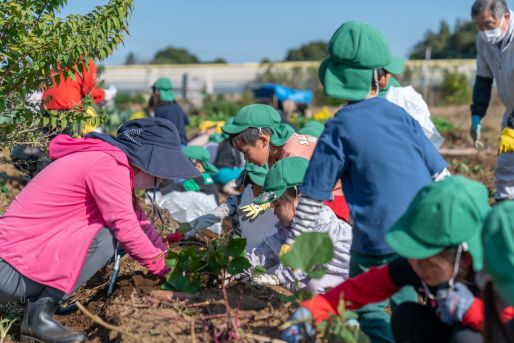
(250, 30)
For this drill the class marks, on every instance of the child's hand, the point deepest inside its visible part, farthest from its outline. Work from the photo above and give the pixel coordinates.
(299, 328)
(252, 211)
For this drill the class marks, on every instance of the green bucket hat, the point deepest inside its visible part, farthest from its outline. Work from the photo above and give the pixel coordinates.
(355, 50)
(257, 174)
(260, 116)
(312, 128)
(499, 248)
(165, 88)
(198, 153)
(442, 214)
(286, 173)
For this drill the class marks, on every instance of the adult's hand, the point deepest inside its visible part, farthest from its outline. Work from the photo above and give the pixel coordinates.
(474, 131)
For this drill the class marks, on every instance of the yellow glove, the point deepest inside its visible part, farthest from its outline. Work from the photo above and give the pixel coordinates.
(506, 141)
(88, 127)
(252, 211)
(284, 250)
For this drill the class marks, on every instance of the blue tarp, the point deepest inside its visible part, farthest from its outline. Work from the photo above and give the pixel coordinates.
(300, 96)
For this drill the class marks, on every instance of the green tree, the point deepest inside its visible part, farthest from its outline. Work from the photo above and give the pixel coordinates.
(172, 55)
(34, 41)
(447, 43)
(313, 51)
(219, 60)
(131, 59)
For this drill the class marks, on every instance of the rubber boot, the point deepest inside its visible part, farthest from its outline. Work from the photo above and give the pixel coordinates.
(39, 325)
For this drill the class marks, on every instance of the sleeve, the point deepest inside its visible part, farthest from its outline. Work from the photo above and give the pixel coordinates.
(88, 78)
(474, 317)
(372, 286)
(150, 230)
(433, 160)
(483, 68)
(110, 186)
(327, 164)
(481, 95)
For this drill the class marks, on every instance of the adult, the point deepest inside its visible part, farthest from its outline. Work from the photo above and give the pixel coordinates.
(66, 224)
(166, 106)
(495, 61)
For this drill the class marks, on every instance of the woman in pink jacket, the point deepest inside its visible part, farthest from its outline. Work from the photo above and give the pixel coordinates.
(66, 223)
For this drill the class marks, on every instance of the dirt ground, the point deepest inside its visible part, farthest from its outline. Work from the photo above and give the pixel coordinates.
(144, 315)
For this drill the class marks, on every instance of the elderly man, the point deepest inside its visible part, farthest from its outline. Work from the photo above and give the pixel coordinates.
(495, 60)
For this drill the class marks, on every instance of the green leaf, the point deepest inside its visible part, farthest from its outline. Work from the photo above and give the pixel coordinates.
(53, 122)
(317, 274)
(238, 265)
(46, 121)
(64, 123)
(236, 247)
(184, 283)
(259, 270)
(309, 250)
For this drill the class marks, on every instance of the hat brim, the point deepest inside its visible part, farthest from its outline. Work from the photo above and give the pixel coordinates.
(409, 247)
(269, 196)
(210, 168)
(506, 290)
(171, 163)
(344, 82)
(395, 66)
(167, 95)
(257, 180)
(233, 129)
(281, 134)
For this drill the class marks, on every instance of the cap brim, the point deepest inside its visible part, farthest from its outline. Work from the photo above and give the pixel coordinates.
(269, 196)
(174, 164)
(210, 168)
(344, 82)
(232, 129)
(396, 66)
(407, 246)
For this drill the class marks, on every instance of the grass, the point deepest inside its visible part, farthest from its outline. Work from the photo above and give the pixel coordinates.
(5, 326)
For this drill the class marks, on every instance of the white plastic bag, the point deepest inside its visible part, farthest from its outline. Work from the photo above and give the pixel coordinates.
(186, 206)
(412, 102)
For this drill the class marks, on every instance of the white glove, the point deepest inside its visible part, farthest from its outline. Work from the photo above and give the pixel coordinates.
(207, 220)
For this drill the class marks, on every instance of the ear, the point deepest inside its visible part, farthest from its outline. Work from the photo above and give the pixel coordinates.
(384, 80)
(265, 140)
(466, 261)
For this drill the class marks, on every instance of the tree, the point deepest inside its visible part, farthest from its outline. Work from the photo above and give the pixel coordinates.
(131, 59)
(172, 55)
(314, 51)
(34, 41)
(219, 60)
(459, 43)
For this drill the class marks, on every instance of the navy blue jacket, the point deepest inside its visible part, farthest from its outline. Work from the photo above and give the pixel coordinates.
(174, 113)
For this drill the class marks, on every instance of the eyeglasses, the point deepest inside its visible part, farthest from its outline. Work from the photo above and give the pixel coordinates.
(444, 292)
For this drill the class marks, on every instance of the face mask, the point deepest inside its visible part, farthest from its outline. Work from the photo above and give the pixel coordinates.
(143, 180)
(495, 35)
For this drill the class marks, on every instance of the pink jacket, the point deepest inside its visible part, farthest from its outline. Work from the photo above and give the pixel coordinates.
(47, 230)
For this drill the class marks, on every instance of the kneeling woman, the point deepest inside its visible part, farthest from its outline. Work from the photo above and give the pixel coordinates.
(66, 223)
(439, 241)
(281, 189)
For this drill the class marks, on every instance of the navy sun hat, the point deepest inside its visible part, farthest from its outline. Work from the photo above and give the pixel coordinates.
(152, 145)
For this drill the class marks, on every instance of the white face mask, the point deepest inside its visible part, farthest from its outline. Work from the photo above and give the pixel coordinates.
(143, 180)
(493, 36)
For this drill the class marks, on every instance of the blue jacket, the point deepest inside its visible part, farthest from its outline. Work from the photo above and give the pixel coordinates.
(174, 113)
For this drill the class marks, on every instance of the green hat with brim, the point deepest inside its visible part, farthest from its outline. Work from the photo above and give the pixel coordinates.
(355, 50)
(165, 88)
(260, 116)
(286, 173)
(443, 214)
(202, 155)
(499, 248)
(216, 138)
(312, 128)
(257, 174)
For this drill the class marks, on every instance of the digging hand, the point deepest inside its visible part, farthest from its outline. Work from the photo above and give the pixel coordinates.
(252, 211)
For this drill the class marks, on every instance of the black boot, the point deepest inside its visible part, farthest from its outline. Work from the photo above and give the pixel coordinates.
(39, 325)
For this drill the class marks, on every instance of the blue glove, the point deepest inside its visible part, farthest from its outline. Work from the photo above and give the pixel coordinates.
(475, 130)
(298, 332)
(453, 307)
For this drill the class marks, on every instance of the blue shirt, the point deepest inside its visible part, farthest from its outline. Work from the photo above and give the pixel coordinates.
(383, 159)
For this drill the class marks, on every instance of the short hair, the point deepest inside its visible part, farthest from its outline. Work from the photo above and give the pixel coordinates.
(496, 7)
(249, 136)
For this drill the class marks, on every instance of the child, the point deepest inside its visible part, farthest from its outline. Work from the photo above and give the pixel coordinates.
(257, 131)
(230, 164)
(281, 189)
(439, 241)
(66, 223)
(378, 151)
(200, 158)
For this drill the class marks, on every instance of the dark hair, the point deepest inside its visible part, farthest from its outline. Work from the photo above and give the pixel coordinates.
(380, 73)
(290, 194)
(249, 136)
(496, 7)
(494, 329)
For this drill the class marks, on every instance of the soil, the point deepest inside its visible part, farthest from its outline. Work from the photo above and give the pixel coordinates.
(149, 316)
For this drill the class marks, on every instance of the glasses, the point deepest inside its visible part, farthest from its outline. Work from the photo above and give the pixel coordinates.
(444, 292)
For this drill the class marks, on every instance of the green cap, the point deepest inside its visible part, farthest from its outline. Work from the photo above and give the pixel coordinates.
(442, 214)
(200, 154)
(260, 116)
(499, 248)
(355, 50)
(257, 174)
(286, 173)
(216, 138)
(165, 88)
(312, 128)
